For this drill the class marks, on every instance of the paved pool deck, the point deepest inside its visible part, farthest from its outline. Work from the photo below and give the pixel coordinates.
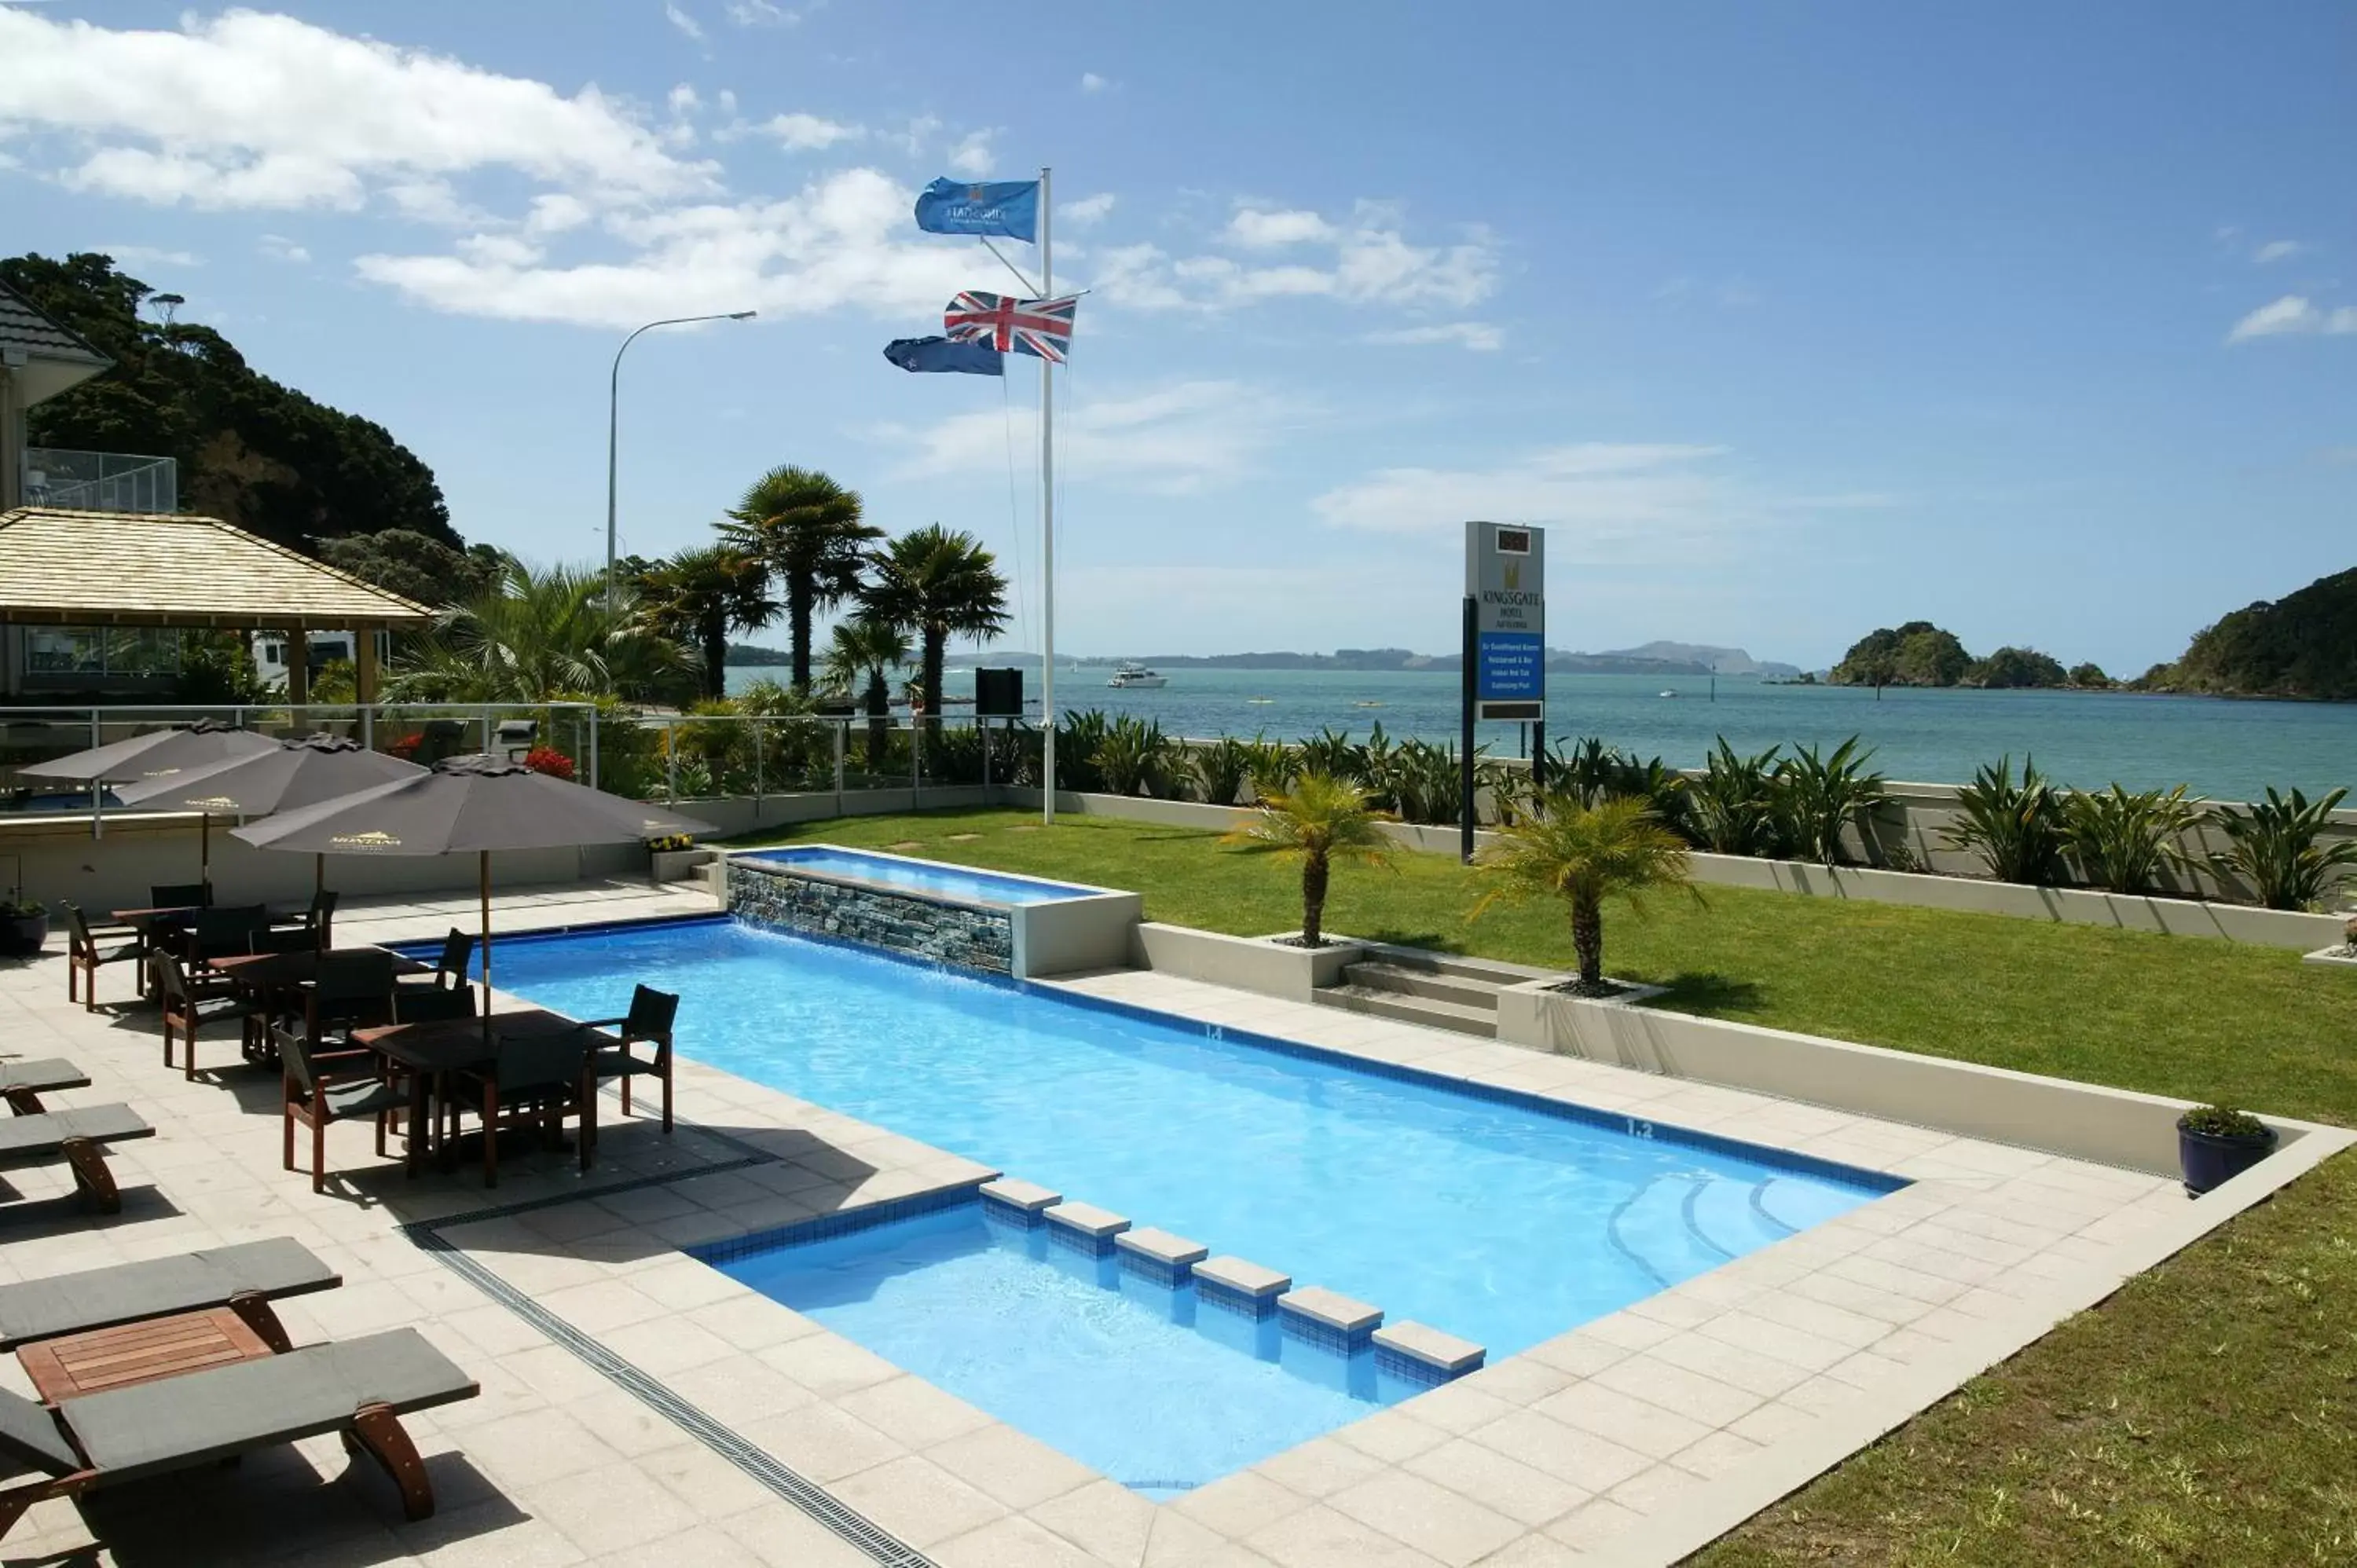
(639, 1407)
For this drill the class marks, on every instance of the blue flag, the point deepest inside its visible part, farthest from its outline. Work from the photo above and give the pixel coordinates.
(945, 354)
(955, 207)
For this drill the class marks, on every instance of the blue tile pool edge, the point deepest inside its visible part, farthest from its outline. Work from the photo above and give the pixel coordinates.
(1879, 1183)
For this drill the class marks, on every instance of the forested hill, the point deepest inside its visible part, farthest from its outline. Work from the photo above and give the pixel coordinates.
(2302, 645)
(250, 451)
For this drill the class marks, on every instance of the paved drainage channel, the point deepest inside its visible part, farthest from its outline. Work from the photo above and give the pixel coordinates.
(812, 1500)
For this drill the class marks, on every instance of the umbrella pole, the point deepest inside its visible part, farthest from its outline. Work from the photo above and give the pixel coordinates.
(205, 847)
(485, 880)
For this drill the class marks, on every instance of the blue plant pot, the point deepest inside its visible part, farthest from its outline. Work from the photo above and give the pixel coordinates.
(2209, 1160)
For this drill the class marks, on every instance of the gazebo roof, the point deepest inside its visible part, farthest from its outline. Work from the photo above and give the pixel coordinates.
(127, 568)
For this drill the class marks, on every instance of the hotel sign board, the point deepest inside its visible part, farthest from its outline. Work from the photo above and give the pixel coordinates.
(1505, 586)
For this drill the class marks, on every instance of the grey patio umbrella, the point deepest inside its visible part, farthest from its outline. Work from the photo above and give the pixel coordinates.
(285, 776)
(157, 754)
(468, 804)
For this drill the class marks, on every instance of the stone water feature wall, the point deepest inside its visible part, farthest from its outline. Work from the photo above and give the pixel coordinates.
(951, 933)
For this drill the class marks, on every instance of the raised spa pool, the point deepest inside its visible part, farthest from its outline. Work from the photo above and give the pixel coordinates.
(955, 882)
(1496, 1218)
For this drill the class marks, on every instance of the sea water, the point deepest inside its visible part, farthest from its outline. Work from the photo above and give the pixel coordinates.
(2223, 749)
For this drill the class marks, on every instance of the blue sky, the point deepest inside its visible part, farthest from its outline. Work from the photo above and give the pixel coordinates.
(2039, 322)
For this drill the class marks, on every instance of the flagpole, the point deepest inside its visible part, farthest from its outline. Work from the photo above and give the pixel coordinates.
(1048, 520)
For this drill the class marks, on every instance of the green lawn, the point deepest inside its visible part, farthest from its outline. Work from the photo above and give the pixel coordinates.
(2193, 1019)
(2205, 1414)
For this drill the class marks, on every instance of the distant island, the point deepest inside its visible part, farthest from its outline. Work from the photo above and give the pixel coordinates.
(1921, 655)
(1652, 658)
(2303, 646)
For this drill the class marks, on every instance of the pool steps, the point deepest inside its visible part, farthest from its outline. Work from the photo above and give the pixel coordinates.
(1313, 1314)
(1679, 1225)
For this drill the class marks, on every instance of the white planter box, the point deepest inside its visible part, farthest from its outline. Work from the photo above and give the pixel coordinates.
(676, 865)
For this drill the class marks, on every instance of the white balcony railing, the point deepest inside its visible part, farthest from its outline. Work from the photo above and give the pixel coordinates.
(101, 481)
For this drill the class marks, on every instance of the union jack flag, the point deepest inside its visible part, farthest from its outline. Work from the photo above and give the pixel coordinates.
(1040, 327)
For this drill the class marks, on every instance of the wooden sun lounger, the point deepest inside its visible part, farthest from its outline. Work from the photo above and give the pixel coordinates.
(22, 1084)
(360, 1387)
(246, 1278)
(77, 1136)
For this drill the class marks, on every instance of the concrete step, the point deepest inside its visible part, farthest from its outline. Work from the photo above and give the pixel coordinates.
(1432, 1014)
(1410, 980)
(1489, 972)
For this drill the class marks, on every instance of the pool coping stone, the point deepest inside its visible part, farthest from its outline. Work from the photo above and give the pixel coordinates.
(1429, 1347)
(1332, 1309)
(1027, 1196)
(1244, 1279)
(1176, 1252)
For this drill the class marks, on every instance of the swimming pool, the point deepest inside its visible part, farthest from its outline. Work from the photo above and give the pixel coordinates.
(1490, 1218)
(891, 871)
(1134, 1377)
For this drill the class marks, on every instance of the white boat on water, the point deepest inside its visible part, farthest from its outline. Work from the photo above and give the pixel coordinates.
(1132, 673)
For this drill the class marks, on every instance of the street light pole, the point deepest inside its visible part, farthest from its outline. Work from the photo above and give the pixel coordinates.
(613, 427)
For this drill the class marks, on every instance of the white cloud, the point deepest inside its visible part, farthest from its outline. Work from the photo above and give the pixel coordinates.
(683, 99)
(1263, 229)
(2295, 316)
(279, 248)
(1366, 263)
(682, 21)
(763, 13)
(1479, 335)
(2278, 251)
(556, 212)
(972, 155)
(1092, 83)
(1173, 440)
(245, 109)
(1615, 502)
(916, 138)
(1088, 209)
(152, 256)
(844, 241)
(807, 132)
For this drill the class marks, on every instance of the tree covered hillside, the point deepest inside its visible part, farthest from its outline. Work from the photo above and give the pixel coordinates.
(2303, 645)
(252, 452)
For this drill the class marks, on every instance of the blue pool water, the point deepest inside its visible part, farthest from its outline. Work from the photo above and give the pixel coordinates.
(1132, 1377)
(920, 876)
(1492, 1220)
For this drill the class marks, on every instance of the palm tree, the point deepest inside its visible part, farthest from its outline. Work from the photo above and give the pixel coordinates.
(698, 596)
(1616, 848)
(1320, 821)
(807, 531)
(934, 584)
(541, 635)
(866, 650)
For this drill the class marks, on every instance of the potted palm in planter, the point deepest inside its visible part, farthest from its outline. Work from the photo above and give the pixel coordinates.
(2217, 1143)
(1584, 854)
(1320, 821)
